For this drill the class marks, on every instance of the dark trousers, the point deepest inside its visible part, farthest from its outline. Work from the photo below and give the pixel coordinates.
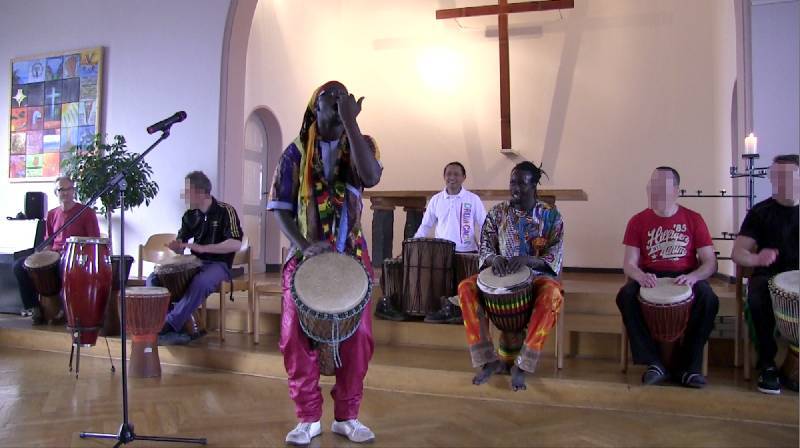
(759, 302)
(27, 292)
(701, 321)
(206, 281)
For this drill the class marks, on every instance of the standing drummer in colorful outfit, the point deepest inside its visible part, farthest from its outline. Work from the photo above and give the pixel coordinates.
(768, 243)
(521, 232)
(316, 196)
(668, 240)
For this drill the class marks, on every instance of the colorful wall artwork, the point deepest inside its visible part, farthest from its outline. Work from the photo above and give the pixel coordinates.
(55, 105)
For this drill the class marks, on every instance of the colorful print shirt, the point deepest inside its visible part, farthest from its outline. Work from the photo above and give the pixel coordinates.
(537, 232)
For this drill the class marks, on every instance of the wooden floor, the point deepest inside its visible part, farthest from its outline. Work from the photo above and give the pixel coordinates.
(41, 405)
(418, 389)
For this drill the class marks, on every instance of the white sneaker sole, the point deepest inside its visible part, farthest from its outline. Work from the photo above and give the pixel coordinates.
(304, 444)
(769, 391)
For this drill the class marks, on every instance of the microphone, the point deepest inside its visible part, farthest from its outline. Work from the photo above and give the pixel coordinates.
(167, 122)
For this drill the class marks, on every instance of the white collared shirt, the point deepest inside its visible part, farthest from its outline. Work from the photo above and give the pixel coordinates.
(457, 218)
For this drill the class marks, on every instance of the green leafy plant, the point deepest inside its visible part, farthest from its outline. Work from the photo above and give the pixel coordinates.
(93, 165)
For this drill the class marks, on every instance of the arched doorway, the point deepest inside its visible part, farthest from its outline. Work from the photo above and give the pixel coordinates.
(262, 148)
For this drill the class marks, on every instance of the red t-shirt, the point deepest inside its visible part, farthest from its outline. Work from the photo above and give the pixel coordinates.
(667, 244)
(85, 225)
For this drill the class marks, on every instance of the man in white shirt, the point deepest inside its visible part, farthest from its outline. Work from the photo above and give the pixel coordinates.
(455, 214)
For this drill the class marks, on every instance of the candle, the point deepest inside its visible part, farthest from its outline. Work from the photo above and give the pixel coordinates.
(751, 144)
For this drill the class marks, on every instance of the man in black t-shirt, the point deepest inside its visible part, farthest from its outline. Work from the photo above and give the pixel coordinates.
(768, 243)
(217, 235)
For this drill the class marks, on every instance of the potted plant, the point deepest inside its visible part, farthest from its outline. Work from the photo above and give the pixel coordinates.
(91, 166)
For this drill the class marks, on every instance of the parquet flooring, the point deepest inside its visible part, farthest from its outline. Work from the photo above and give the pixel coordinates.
(42, 405)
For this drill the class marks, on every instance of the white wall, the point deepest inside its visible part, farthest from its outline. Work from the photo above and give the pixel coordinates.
(602, 96)
(162, 56)
(776, 81)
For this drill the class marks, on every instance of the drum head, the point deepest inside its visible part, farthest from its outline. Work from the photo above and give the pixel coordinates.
(146, 291)
(87, 240)
(42, 259)
(788, 281)
(489, 282)
(330, 282)
(666, 292)
(178, 263)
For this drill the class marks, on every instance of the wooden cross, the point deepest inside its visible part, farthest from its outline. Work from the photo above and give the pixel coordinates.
(502, 10)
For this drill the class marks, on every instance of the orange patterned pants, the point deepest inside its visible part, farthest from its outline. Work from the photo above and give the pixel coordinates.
(522, 348)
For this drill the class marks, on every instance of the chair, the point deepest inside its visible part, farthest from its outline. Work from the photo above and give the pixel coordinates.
(741, 345)
(154, 250)
(241, 282)
(269, 290)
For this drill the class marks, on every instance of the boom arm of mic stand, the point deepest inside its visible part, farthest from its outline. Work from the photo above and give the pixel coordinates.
(111, 184)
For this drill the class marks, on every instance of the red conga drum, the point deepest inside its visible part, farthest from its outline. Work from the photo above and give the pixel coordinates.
(427, 274)
(86, 274)
(665, 309)
(43, 269)
(145, 313)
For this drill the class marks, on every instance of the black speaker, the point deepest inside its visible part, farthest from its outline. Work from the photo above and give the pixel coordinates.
(35, 205)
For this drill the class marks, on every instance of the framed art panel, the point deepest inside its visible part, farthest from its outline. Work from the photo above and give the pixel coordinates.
(55, 105)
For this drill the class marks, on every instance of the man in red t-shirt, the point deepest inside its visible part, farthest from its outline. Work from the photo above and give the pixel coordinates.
(85, 225)
(668, 240)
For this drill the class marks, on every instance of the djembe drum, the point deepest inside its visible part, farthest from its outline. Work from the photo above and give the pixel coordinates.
(111, 321)
(784, 289)
(427, 274)
(392, 281)
(145, 313)
(465, 265)
(330, 292)
(665, 309)
(43, 269)
(175, 273)
(86, 274)
(507, 300)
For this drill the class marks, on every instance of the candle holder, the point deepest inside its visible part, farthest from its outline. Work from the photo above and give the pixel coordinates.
(751, 172)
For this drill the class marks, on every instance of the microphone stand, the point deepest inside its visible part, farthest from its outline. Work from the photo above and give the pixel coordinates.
(125, 434)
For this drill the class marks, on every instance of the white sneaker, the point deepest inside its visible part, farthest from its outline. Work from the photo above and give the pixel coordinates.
(353, 430)
(303, 433)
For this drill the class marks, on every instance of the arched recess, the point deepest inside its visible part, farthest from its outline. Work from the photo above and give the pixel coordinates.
(262, 149)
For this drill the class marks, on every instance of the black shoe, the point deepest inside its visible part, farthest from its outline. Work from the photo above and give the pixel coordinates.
(455, 318)
(385, 310)
(654, 374)
(36, 316)
(174, 338)
(26, 312)
(693, 380)
(768, 381)
(442, 316)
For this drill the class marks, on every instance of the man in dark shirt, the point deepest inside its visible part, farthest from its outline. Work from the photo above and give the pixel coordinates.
(767, 242)
(216, 235)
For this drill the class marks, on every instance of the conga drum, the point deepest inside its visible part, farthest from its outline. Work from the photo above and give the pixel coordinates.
(330, 292)
(145, 313)
(508, 300)
(175, 273)
(392, 281)
(427, 274)
(665, 309)
(465, 265)
(784, 290)
(43, 269)
(86, 274)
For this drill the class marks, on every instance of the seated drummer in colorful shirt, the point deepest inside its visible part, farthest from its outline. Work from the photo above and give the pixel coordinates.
(217, 234)
(668, 240)
(454, 214)
(521, 232)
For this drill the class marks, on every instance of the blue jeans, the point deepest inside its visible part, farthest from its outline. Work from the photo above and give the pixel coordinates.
(205, 282)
